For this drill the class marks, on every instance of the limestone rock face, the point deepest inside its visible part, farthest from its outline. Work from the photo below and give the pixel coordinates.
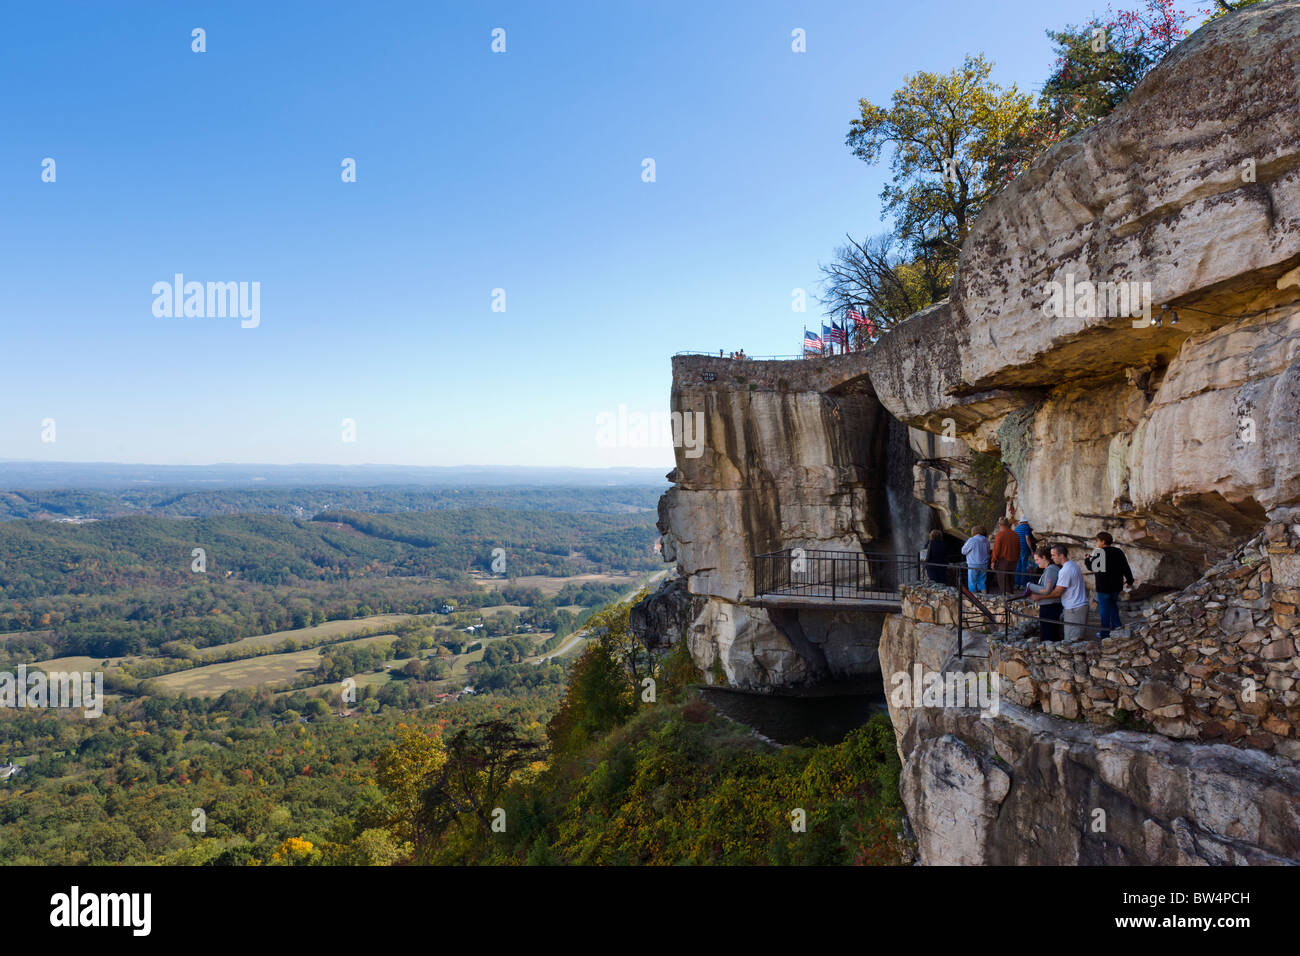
(953, 795)
(1179, 438)
(788, 457)
(1019, 787)
(1160, 192)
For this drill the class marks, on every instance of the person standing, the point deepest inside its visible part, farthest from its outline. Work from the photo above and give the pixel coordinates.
(1028, 545)
(1006, 553)
(1112, 574)
(936, 558)
(1074, 593)
(1046, 595)
(976, 550)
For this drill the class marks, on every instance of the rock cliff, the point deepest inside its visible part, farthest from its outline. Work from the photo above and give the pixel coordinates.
(1123, 342)
(1178, 437)
(790, 458)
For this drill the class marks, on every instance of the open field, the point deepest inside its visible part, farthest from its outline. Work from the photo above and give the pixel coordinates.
(308, 636)
(552, 586)
(213, 680)
(489, 612)
(83, 663)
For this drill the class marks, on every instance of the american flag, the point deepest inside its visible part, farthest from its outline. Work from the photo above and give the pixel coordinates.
(812, 343)
(859, 322)
(837, 333)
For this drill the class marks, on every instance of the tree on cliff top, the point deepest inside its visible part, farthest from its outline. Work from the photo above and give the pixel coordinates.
(944, 129)
(1097, 66)
(879, 281)
(1221, 8)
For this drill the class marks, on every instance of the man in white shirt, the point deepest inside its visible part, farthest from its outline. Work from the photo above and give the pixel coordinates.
(1073, 591)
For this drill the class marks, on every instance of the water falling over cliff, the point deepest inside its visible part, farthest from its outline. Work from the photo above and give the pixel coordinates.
(906, 520)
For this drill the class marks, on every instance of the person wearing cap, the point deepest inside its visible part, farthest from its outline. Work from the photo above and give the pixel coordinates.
(1028, 545)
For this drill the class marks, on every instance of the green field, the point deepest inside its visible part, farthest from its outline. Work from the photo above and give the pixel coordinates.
(82, 663)
(213, 680)
(308, 636)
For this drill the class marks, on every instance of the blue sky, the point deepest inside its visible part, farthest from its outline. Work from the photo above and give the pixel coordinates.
(475, 171)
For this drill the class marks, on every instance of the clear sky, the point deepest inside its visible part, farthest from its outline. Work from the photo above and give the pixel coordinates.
(476, 171)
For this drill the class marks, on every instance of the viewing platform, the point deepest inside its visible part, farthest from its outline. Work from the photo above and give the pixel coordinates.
(798, 578)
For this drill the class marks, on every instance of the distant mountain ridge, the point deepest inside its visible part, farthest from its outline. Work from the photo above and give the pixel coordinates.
(36, 474)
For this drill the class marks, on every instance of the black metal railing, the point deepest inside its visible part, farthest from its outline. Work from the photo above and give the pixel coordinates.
(1013, 610)
(856, 576)
(834, 575)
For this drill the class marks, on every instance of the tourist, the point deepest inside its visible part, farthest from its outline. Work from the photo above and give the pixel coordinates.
(1113, 574)
(1046, 595)
(1074, 593)
(1006, 554)
(976, 550)
(1028, 545)
(936, 558)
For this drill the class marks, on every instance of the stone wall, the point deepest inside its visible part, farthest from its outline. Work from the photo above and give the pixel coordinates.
(1216, 661)
(1023, 787)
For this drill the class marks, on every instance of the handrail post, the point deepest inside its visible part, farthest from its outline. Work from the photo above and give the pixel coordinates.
(960, 622)
(834, 567)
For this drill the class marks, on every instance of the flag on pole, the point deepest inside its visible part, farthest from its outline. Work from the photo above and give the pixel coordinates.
(861, 322)
(837, 333)
(812, 343)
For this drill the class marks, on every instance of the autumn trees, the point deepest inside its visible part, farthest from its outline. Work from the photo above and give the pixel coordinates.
(952, 140)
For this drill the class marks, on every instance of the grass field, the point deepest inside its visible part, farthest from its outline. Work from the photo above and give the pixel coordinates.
(308, 636)
(553, 586)
(81, 663)
(213, 680)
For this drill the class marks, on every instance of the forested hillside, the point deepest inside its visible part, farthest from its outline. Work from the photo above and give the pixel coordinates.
(130, 585)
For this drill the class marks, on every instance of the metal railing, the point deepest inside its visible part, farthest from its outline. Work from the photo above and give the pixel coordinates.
(747, 358)
(973, 612)
(834, 575)
(857, 576)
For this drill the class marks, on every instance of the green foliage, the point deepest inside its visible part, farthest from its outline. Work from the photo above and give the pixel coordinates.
(126, 587)
(1098, 65)
(944, 129)
(677, 784)
(598, 699)
(1014, 435)
(985, 490)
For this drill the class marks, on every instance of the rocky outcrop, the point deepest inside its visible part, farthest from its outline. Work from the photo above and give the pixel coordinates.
(1216, 661)
(1178, 437)
(1008, 785)
(789, 458)
(1028, 789)
(1123, 335)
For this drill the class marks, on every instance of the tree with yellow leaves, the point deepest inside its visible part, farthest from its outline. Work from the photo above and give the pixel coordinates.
(944, 129)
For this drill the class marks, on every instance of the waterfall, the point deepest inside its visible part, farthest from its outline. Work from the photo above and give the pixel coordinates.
(907, 521)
